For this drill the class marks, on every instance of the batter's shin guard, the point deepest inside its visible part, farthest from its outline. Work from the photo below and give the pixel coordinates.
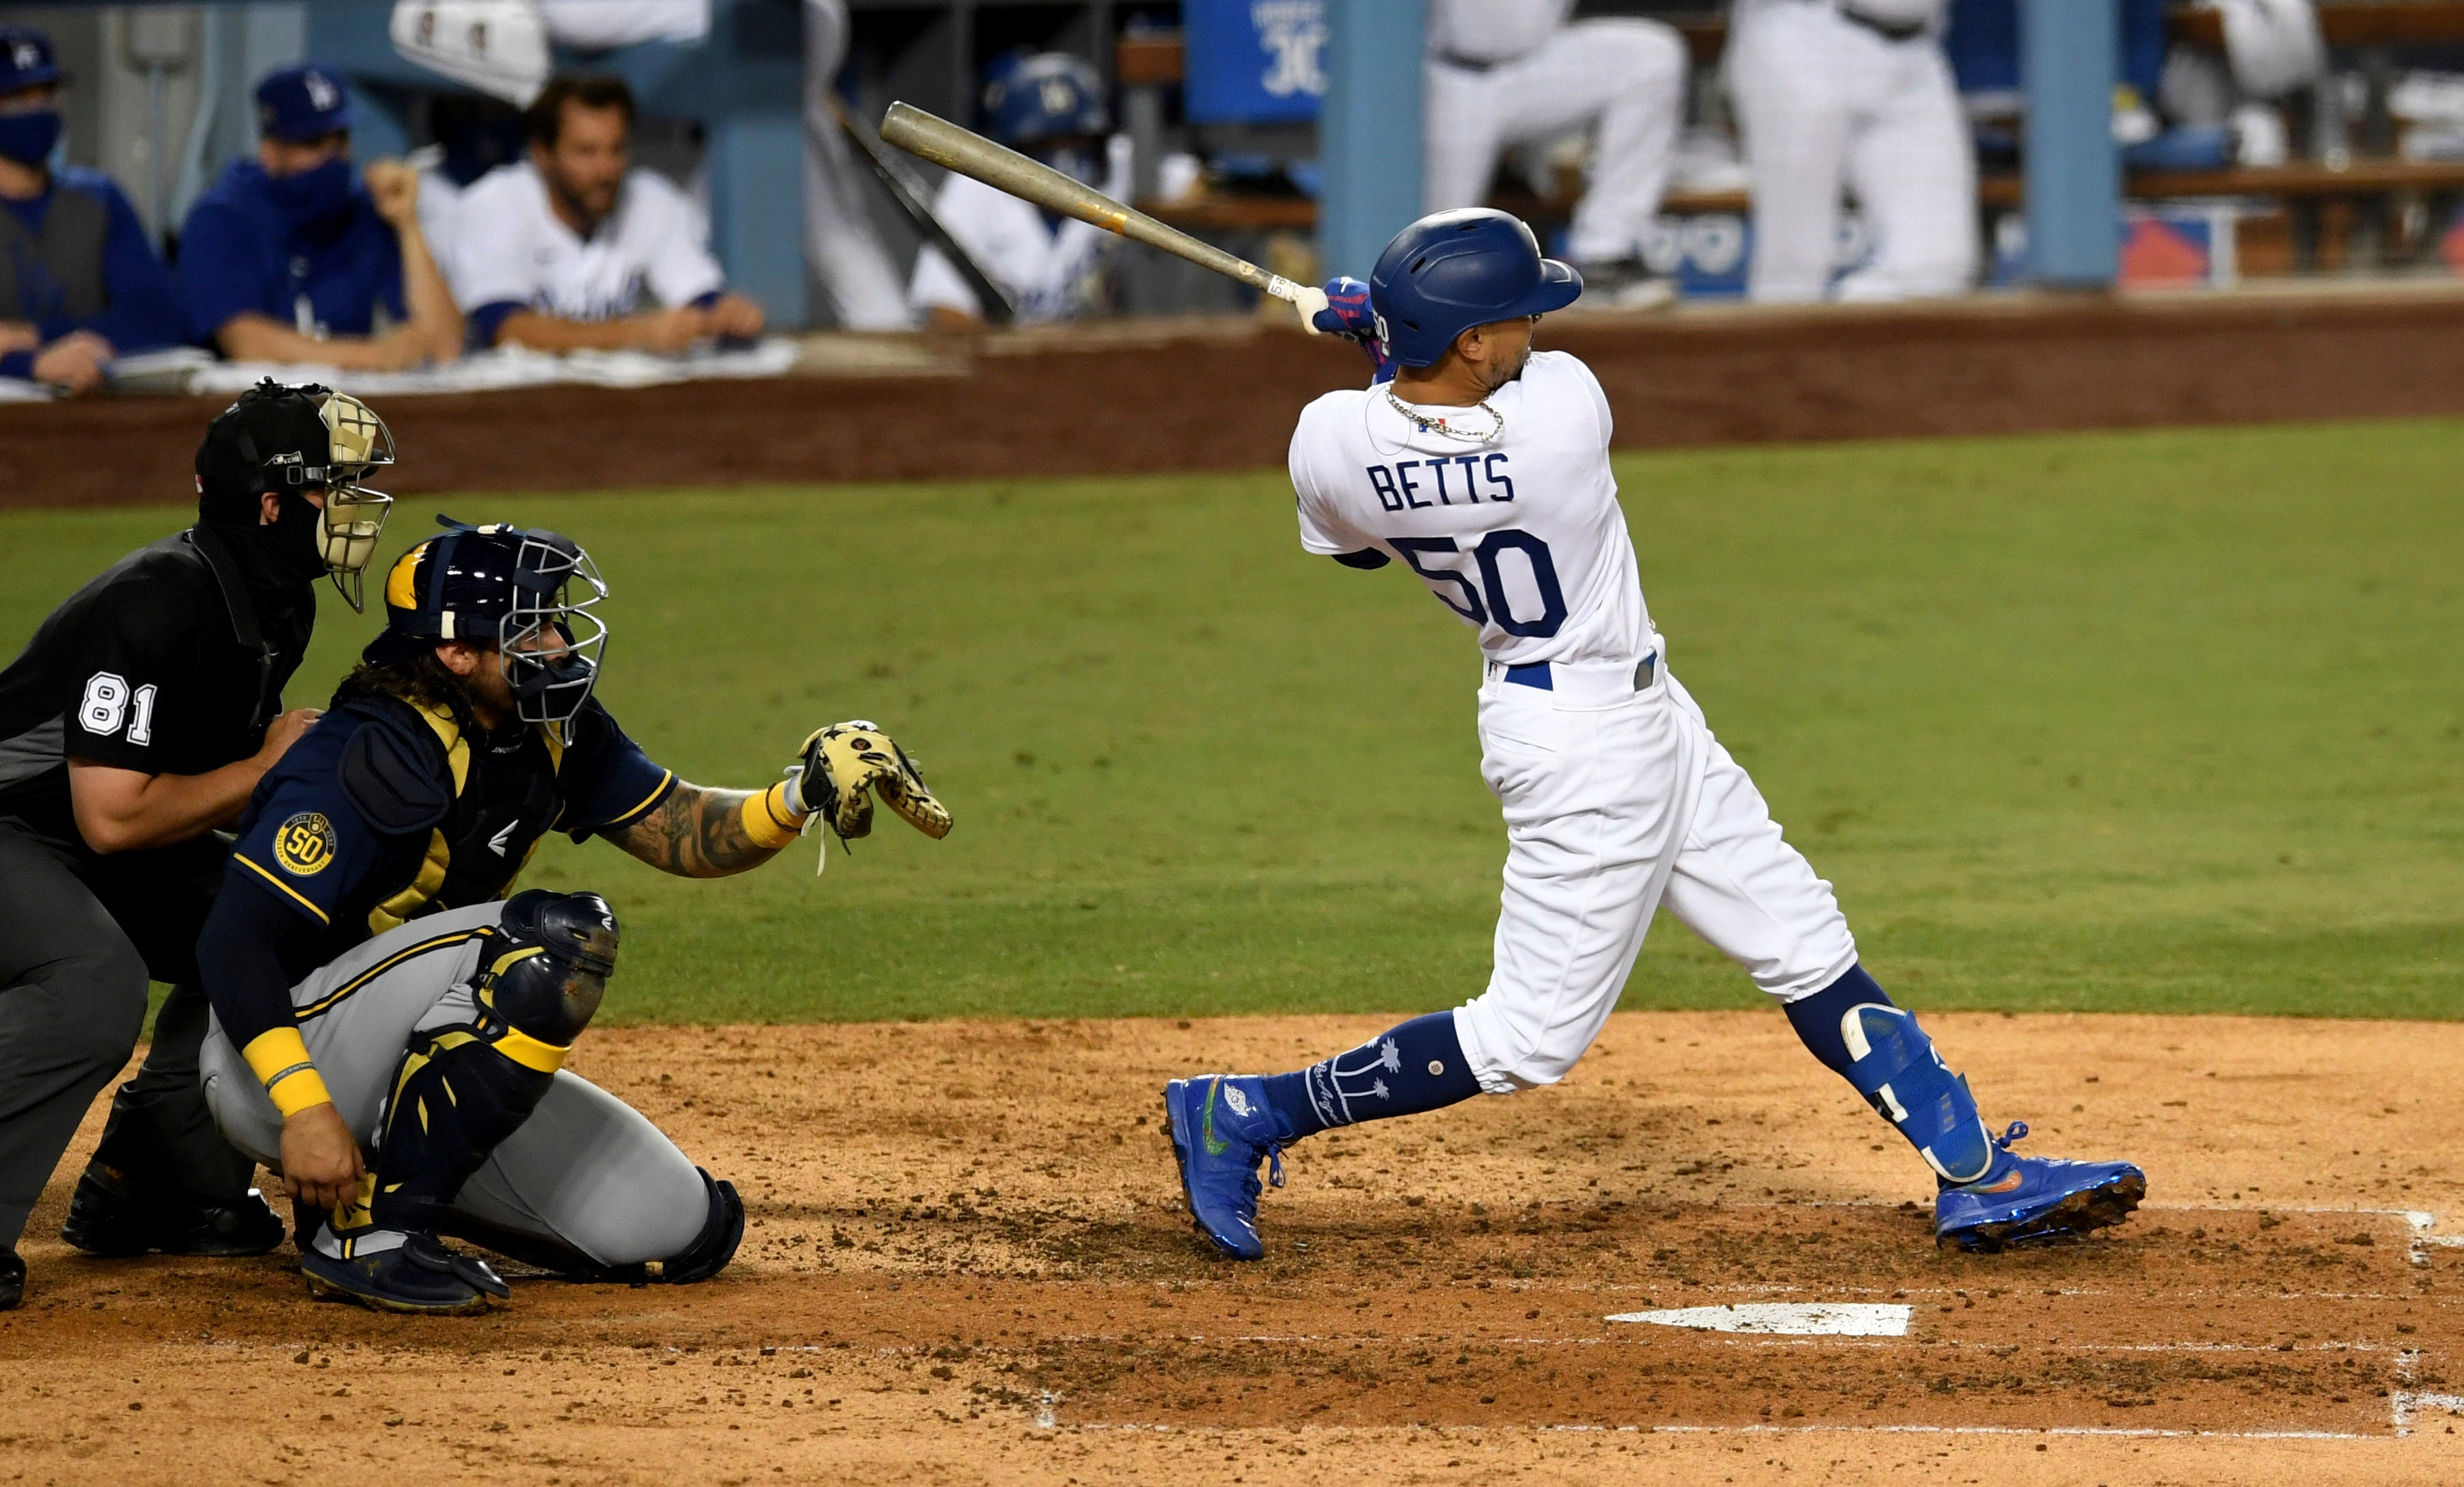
(1907, 1083)
(1877, 1048)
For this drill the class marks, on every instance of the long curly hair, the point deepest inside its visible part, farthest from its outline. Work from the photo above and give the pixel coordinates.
(421, 681)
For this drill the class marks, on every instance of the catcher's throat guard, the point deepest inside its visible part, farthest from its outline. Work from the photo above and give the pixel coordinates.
(551, 641)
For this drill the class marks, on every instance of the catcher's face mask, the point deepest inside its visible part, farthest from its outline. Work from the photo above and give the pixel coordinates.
(354, 516)
(551, 642)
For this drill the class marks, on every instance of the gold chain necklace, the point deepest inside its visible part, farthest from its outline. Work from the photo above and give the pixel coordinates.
(1441, 426)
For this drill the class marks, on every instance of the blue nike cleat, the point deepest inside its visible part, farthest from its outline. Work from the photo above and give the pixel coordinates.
(2020, 1200)
(1220, 1127)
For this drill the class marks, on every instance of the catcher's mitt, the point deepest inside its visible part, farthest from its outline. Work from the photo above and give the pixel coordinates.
(847, 764)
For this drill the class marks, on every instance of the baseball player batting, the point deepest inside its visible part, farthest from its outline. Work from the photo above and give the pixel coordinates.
(1483, 467)
(389, 1029)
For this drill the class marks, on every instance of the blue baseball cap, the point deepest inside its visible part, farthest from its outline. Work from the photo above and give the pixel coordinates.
(27, 59)
(303, 103)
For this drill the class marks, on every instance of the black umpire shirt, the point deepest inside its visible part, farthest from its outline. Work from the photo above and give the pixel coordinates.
(169, 663)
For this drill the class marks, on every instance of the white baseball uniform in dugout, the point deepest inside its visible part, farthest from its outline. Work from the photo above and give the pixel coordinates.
(1854, 94)
(515, 249)
(1616, 796)
(1043, 265)
(1502, 72)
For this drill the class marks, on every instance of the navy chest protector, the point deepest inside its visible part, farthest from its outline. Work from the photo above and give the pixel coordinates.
(481, 801)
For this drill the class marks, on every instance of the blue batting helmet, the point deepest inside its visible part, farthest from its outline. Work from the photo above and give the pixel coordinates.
(1452, 270)
(1051, 95)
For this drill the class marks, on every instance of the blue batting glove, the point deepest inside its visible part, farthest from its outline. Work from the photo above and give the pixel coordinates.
(1348, 313)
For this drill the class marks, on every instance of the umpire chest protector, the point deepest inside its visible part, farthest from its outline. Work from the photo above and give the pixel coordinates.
(464, 807)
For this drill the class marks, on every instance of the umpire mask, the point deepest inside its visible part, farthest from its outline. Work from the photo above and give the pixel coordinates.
(288, 441)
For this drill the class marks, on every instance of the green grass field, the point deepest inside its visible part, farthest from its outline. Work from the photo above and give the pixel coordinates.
(2165, 722)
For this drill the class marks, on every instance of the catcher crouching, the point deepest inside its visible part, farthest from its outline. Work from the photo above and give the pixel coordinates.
(389, 1029)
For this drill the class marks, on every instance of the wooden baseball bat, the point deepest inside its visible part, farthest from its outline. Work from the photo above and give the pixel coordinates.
(969, 154)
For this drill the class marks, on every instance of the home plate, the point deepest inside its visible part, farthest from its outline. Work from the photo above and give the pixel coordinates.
(1789, 1319)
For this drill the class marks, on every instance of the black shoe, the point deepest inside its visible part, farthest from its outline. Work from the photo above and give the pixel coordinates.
(106, 1222)
(12, 1280)
(419, 1276)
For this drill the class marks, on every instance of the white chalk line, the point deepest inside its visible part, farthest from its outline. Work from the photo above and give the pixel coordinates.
(2114, 1431)
(1741, 1340)
(2407, 1404)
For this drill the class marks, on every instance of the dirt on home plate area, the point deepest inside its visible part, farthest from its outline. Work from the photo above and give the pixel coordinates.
(967, 1262)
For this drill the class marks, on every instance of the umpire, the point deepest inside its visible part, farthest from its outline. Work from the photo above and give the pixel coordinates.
(135, 723)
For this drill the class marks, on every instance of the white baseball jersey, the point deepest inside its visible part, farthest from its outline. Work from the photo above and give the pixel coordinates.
(1521, 537)
(514, 249)
(1493, 30)
(1618, 799)
(1045, 267)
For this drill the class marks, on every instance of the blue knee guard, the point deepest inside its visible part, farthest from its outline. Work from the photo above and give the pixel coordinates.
(1893, 1065)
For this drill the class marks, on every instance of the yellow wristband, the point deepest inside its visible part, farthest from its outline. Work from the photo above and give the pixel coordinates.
(769, 820)
(279, 1058)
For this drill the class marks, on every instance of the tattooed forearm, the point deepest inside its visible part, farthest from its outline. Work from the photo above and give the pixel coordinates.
(697, 832)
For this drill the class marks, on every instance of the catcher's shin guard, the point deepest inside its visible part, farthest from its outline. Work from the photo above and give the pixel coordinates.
(461, 1090)
(706, 1256)
(1893, 1064)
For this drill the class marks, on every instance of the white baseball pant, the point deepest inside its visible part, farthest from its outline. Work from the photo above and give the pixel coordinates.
(1825, 103)
(585, 1171)
(1628, 76)
(1617, 803)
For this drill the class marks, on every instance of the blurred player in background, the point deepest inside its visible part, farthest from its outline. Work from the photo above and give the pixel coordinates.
(1504, 73)
(137, 721)
(513, 62)
(295, 257)
(1854, 93)
(1484, 468)
(840, 243)
(79, 281)
(574, 249)
(1049, 106)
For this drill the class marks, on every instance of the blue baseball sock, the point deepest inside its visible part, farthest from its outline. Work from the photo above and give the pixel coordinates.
(1853, 1028)
(1816, 1017)
(1416, 1066)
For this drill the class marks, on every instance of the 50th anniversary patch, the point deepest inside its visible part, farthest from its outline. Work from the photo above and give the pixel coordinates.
(304, 845)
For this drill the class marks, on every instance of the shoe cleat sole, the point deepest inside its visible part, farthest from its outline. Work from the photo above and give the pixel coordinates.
(325, 1290)
(2081, 1212)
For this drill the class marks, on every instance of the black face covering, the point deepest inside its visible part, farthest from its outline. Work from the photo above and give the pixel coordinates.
(282, 558)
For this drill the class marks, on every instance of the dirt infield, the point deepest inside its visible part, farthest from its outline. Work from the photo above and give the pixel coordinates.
(1178, 396)
(966, 1262)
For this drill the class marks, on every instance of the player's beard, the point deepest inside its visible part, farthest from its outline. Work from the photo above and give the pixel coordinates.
(1521, 362)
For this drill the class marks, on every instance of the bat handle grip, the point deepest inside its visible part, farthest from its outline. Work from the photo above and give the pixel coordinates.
(1308, 298)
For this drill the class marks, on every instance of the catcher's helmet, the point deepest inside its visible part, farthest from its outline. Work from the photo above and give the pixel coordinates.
(289, 440)
(1452, 270)
(510, 589)
(1029, 100)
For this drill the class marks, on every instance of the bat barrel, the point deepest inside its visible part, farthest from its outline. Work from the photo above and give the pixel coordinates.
(969, 154)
